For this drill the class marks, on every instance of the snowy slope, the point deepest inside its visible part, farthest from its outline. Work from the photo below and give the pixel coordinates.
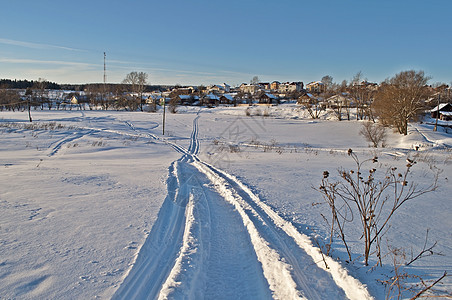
(231, 246)
(221, 206)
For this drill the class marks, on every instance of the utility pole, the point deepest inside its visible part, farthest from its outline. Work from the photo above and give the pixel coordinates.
(29, 95)
(105, 69)
(105, 77)
(29, 110)
(437, 113)
(164, 109)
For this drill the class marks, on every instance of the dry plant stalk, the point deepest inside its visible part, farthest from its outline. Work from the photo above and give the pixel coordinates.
(374, 201)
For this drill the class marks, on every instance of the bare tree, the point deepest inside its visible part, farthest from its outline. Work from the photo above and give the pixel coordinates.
(362, 95)
(343, 90)
(137, 83)
(374, 133)
(239, 97)
(39, 88)
(174, 101)
(255, 80)
(94, 92)
(9, 98)
(401, 99)
(327, 81)
(340, 104)
(312, 105)
(201, 90)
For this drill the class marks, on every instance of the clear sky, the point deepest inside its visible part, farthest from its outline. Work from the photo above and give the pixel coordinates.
(212, 41)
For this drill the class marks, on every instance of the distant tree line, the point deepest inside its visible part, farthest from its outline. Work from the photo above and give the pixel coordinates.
(37, 94)
(24, 84)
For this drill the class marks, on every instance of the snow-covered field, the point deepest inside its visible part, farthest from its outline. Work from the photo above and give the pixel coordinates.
(101, 204)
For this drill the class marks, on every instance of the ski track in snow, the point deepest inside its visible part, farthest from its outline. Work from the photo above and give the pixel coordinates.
(427, 139)
(87, 130)
(58, 144)
(214, 238)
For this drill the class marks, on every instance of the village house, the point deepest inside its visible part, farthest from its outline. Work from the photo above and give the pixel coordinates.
(306, 98)
(315, 87)
(210, 100)
(264, 85)
(185, 90)
(219, 88)
(275, 85)
(267, 98)
(78, 99)
(248, 88)
(74, 100)
(443, 111)
(228, 99)
(153, 99)
(226, 87)
(188, 99)
(289, 87)
(370, 85)
(338, 101)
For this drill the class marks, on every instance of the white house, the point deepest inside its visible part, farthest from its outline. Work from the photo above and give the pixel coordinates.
(289, 87)
(248, 88)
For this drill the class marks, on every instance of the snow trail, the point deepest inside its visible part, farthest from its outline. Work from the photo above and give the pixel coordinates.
(74, 136)
(213, 249)
(157, 255)
(426, 135)
(214, 238)
(194, 142)
(351, 286)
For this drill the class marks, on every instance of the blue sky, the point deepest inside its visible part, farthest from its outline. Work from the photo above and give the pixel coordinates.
(211, 41)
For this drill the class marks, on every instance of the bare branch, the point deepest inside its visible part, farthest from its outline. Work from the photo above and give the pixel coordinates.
(430, 286)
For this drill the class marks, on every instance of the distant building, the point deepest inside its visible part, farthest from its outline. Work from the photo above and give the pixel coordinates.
(289, 87)
(185, 90)
(275, 85)
(219, 88)
(210, 100)
(228, 98)
(188, 99)
(264, 85)
(315, 87)
(74, 100)
(443, 111)
(367, 84)
(78, 99)
(306, 99)
(248, 88)
(338, 101)
(267, 98)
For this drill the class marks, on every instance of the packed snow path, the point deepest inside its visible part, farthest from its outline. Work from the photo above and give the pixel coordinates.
(214, 239)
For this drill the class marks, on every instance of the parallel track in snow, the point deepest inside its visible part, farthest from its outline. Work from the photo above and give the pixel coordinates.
(56, 147)
(214, 238)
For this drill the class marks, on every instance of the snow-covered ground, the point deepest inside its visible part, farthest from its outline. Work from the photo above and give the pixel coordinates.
(101, 204)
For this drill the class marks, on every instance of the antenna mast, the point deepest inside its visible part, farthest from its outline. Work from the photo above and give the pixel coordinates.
(105, 69)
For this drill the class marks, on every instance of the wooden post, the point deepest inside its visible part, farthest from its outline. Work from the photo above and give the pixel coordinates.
(29, 111)
(164, 109)
(437, 115)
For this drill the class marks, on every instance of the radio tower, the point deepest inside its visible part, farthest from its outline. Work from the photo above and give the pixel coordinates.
(105, 70)
(105, 78)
